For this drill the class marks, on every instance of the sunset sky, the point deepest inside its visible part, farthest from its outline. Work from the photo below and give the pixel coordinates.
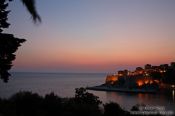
(94, 35)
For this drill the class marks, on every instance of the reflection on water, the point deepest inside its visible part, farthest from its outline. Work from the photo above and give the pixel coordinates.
(173, 95)
(127, 100)
(64, 85)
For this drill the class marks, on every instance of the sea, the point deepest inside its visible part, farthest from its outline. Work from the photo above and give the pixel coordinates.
(64, 84)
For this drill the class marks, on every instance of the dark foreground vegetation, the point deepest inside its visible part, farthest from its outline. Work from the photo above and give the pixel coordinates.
(82, 104)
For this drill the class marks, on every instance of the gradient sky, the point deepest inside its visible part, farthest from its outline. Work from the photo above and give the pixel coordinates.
(94, 35)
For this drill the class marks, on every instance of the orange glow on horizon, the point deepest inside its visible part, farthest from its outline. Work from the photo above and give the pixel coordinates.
(105, 56)
(138, 34)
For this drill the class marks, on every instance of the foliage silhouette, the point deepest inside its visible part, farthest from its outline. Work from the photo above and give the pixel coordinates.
(3, 14)
(113, 109)
(31, 8)
(8, 43)
(82, 96)
(30, 5)
(83, 104)
(31, 104)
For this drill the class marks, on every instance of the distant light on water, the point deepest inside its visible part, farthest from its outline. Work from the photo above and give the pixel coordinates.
(173, 86)
(173, 94)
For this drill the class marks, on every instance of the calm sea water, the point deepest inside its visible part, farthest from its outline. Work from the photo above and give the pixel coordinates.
(64, 84)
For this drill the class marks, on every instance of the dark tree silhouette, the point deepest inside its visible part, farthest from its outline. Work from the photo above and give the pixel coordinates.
(82, 96)
(8, 46)
(32, 104)
(8, 43)
(3, 15)
(113, 109)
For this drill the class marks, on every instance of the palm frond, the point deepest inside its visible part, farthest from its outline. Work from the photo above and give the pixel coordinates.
(30, 6)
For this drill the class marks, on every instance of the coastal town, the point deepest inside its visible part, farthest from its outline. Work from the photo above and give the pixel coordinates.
(147, 79)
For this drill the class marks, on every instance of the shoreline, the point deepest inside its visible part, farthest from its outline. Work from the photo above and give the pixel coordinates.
(112, 89)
